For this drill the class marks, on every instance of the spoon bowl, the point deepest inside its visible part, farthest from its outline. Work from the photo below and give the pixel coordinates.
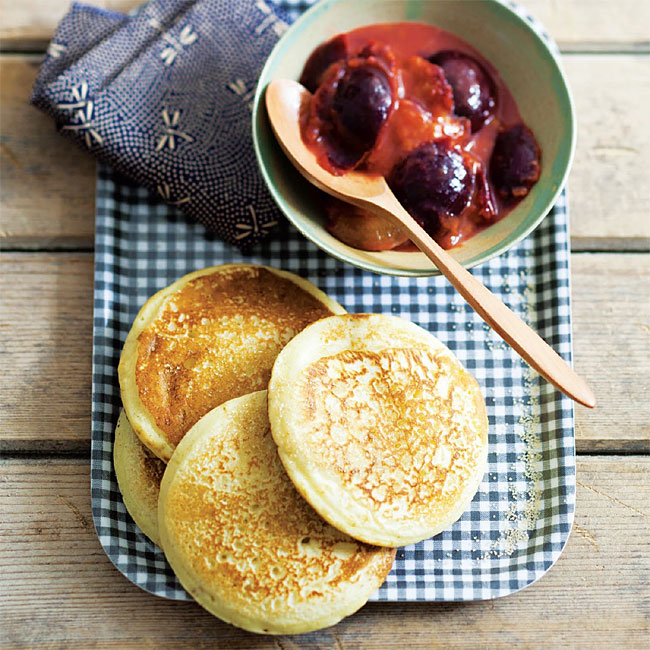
(285, 99)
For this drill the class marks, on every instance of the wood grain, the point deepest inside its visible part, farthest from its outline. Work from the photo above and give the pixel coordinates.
(58, 588)
(609, 191)
(30, 24)
(581, 25)
(611, 334)
(48, 182)
(46, 325)
(575, 24)
(45, 395)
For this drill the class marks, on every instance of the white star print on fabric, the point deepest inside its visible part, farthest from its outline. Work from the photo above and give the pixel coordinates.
(248, 229)
(171, 132)
(55, 50)
(165, 192)
(81, 120)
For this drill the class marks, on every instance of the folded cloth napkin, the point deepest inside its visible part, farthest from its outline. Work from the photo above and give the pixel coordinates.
(165, 97)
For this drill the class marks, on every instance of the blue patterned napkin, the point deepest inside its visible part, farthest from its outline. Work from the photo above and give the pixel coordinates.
(164, 96)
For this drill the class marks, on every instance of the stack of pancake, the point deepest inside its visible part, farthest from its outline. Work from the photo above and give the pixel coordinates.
(278, 449)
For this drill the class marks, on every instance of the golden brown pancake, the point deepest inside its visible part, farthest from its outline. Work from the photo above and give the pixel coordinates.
(379, 427)
(209, 337)
(244, 543)
(139, 474)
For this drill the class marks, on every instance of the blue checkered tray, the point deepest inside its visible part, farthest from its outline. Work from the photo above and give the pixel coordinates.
(521, 516)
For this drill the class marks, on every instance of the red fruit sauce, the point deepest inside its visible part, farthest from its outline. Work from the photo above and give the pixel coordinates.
(421, 107)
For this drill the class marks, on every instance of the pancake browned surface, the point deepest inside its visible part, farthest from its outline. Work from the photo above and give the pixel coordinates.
(244, 543)
(209, 337)
(139, 474)
(379, 427)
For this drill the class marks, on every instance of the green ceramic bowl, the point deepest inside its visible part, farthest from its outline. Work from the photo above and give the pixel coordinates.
(521, 56)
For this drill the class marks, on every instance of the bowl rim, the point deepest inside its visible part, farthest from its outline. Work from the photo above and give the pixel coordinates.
(565, 96)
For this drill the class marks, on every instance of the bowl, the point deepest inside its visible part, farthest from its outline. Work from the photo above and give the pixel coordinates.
(525, 62)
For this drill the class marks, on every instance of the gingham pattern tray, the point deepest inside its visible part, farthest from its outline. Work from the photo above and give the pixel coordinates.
(521, 516)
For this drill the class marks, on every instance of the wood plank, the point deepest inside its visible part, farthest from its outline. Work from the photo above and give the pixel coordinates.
(58, 588)
(45, 394)
(575, 24)
(609, 185)
(579, 25)
(46, 325)
(30, 24)
(611, 328)
(48, 183)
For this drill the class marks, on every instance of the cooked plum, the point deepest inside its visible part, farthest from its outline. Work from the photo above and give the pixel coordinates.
(473, 88)
(515, 166)
(427, 85)
(362, 103)
(381, 53)
(348, 110)
(321, 58)
(417, 106)
(433, 182)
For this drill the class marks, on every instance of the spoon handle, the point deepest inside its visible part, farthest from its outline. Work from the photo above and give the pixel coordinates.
(528, 344)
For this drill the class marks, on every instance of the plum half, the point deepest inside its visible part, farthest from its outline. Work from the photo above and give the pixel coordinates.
(473, 88)
(433, 183)
(515, 163)
(322, 58)
(362, 103)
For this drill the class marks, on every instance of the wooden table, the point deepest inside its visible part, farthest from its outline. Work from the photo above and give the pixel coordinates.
(57, 587)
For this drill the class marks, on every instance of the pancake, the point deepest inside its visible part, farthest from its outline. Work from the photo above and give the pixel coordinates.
(379, 427)
(209, 337)
(244, 543)
(139, 474)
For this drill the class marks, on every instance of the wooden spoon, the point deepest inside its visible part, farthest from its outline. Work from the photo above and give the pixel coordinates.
(284, 100)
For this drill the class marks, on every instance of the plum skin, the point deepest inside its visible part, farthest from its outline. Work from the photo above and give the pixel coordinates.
(432, 182)
(473, 88)
(320, 59)
(361, 104)
(515, 162)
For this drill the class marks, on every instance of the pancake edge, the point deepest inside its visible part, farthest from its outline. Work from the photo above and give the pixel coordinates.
(230, 614)
(143, 424)
(289, 364)
(121, 460)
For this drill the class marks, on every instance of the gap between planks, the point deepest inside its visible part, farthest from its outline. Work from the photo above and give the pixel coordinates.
(583, 24)
(613, 151)
(59, 588)
(45, 398)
